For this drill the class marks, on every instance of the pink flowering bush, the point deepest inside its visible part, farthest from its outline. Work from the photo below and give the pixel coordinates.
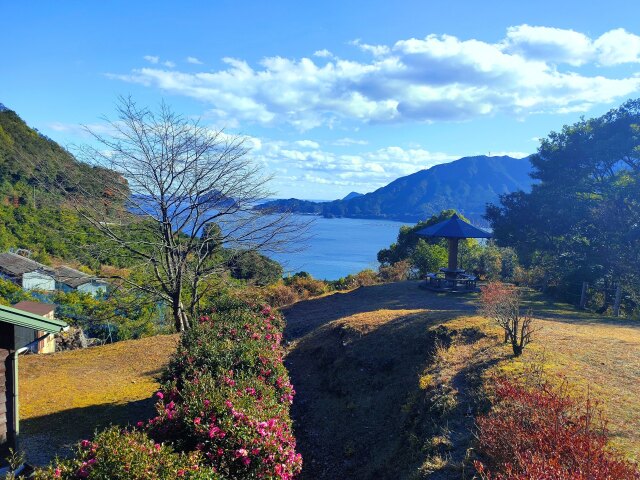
(123, 455)
(223, 410)
(226, 394)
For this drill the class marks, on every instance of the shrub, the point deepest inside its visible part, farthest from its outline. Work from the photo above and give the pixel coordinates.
(279, 295)
(428, 257)
(122, 455)
(305, 286)
(226, 394)
(223, 409)
(540, 432)
(501, 303)
(364, 278)
(396, 272)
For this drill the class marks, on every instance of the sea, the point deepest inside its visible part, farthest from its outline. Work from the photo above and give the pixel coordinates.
(336, 247)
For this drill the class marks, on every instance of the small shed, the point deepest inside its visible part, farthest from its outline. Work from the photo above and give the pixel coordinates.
(27, 273)
(13, 342)
(40, 341)
(69, 279)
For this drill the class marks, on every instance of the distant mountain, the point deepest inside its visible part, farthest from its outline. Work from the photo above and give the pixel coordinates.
(465, 185)
(352, 195)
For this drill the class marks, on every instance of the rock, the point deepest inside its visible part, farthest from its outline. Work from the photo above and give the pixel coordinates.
(72, 339)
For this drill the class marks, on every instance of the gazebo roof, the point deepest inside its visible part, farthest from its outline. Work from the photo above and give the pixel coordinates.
(453, 227)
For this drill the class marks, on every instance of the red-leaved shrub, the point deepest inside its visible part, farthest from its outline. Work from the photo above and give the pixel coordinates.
(542, 433)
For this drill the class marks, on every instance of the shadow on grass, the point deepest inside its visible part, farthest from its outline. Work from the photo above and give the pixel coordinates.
(546, 307)
(304, 317)
(43, 438)
(359, 411)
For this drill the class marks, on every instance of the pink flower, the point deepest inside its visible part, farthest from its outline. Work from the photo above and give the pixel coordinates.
(196, 420)
(160, 395)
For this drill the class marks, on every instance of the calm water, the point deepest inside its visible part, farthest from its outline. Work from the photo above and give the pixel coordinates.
(340, 246)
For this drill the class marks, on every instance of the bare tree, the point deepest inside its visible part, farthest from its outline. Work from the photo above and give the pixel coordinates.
(501, 303)
(185, 192)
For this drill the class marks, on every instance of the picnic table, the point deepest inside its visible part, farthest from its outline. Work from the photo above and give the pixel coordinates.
(448, 280)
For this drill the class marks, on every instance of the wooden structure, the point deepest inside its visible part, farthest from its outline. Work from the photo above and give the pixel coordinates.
(41, 341)
(17, 329)
(452, 277)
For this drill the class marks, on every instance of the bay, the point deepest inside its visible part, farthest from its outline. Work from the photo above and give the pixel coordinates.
(337, 247)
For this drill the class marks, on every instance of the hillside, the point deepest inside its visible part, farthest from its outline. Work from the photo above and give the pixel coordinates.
(30, 160)
(386, 376)
(465, 185)
(34, 170)
(389, 377)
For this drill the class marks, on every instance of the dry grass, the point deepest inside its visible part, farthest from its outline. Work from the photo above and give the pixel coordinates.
(65, 396)
(366, 368)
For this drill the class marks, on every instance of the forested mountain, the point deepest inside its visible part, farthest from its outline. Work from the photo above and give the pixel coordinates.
(31, 160)
(466, 185)
(33, 169)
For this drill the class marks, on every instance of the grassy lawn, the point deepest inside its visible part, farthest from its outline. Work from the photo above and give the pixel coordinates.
(388, 377)
(65, 396)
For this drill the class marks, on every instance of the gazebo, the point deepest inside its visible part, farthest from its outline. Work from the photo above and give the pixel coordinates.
(453, 229)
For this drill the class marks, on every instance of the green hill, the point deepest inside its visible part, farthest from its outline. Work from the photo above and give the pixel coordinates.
(34, 171)
(31, 160)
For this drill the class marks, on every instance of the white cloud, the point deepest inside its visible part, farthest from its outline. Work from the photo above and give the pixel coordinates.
(324, 53)
(346, 142)
(366, 170)
(307, 144)
(549, 44)
(618, 46)
(151, 58)
(435, 78)
(194, 60)
(169, 63)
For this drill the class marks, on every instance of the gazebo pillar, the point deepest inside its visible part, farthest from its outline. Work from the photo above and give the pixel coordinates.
(453, 255)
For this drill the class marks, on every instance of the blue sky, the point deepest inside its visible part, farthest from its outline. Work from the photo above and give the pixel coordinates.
(334, 96)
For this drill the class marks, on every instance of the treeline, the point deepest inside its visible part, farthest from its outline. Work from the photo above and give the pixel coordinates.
(581, 221)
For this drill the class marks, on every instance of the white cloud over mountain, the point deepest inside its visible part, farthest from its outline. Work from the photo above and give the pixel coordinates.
(532, 70)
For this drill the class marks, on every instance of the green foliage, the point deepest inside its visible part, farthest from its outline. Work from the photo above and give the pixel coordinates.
(117, 316)
(10, 293)
(408, 239)
(116, 454)
(255, 268)
(581, 222)
(428, 257)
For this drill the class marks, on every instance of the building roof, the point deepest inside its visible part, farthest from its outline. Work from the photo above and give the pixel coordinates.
(30, 320)
(17, 265)
(72, 277)
(35, 307)
(453, 227)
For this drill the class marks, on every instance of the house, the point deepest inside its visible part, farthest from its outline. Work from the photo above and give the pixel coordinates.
(69, 279)
(42, 343)
(27, 273)
(17, 329)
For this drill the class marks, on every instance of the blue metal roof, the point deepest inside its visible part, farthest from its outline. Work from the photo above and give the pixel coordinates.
(453, 227)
